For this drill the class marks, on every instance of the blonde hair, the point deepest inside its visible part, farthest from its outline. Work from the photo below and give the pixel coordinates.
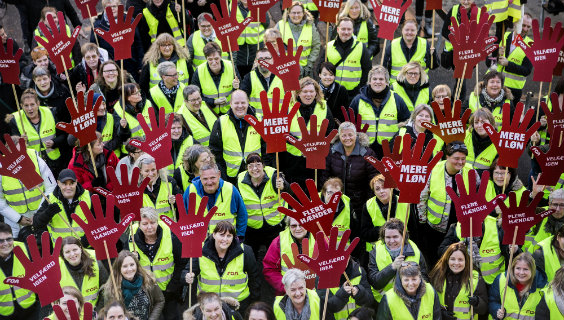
(154, 53)
(308, 17)
(148, 279)
(423, 77)
(364, 11)
(149, 213)
(306, 81)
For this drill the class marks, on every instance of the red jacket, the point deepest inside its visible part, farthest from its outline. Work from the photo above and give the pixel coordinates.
(272, 264)
(85, 176)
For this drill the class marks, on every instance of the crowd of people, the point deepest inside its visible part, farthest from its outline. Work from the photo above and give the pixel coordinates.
(248, 268)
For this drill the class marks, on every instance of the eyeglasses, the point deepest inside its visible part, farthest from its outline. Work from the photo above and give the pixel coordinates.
(110, 71)
(8, 240)
(164, 45)
(501, 173)
(556, 205)
(265, 58)
(457, 147)
(171, 75)
(413, 74)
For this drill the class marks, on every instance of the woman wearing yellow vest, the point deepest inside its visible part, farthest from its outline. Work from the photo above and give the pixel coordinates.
(211, 307)
(198, 116)
(192, 160)
(550, 305)
(298, 302)
(481, 151)
(343, 213)
(550, 253)
(181, 140)
(70, 293)
(363, 28)
(412, 85)
(167, 93)
(451, 279)
(524, 290)
(499, 182)
(226, 267)
(109, 124)
(410, 295)
(414, 126)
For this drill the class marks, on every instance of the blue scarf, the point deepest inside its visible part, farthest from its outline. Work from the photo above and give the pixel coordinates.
(130, 288)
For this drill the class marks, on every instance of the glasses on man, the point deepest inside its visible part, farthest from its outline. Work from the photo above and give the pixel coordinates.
(7, 240)
(174, 75)
(556, 205)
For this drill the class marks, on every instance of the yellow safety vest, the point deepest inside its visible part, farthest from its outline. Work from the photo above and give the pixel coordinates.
(222, 202)
(343, 220)
(181, 68)
(399, 311)
(58, 227)
(320, 111)
(377, 216)
(162, 205)
(362, 34)
(461, 306)
(513, 80)
(383, 127)
(153, 24)
(17, 196)
(314, 305)
(11, 294)
(555, 313)
(257, 88)
(286, 241)
(551, 260)
(474, 104)
(134, 126)
(198, 45)
(305, 40)
(253, 33)
(263, 207)
(90, 285)
(211, 91)
(351, 305)
(199, 132)
(233, 153)
(233, 283)
(36, 138)
(504, 9)
(161, 101)
(108, 132)
(186, 143)
(532, 240)
(399, 60)
(482, 161)
(422, 97)
(349, 70)
(512, 309)
(162, 266)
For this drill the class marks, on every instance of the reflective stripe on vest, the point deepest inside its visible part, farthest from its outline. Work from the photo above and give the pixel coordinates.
(320, 111)
(398, 309)
(58, 227)
(399, 60)
(461, 307)
(233, 154)
(17, 196)
(474, 104)
(253, 33)
(232, 283)
(305, 39)
(257, 88)
(162, 265)
(36, 138)
(343, 219)
(349, 71)
(482, 161)
(351, 305)
(422, 96)
(153, 24)
(10, 294)
(222, 202)
(211, 91)
(551, 260)
(90, 285)
(162, 205)
(181, 68)
(312, 298)
(161, 100)
(513, 80)
(286, 241)
(512, 308)
(199, 131)
(383, 127)
(377, 216)
(503, 9)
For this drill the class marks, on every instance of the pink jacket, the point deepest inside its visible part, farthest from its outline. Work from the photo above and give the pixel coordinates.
(272, 264)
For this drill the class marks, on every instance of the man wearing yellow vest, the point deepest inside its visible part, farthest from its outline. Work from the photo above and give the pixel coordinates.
(198, 117)
(199, 39)
(248, 40)
(15, 303)
(168, 93)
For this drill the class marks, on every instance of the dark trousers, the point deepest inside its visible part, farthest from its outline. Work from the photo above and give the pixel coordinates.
(256, 238)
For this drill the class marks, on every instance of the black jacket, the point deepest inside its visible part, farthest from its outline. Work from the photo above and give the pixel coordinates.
(55, 100)
(336, 96)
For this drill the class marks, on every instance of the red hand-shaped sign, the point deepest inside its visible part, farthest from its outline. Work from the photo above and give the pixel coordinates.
(511, 140)
(286, 64)
(15, 163)
(102, 230)
(471, 205)
(434, 5)
(10, 63)
(314, 145)
(357, 120)
(471, 41)
(295, 263)
(544, 51)
(557, 71)
(227, 29)
(258, 9)
(87, 8)
(84, 117)
(389, 14)
(412, 175)
(73, 311)
(58, 44)
(42, 271)
(551, 162)
(276, 121)
(395, 155)
(310, 213)
(158, 141)
(328, 9)
(451, 126)
(554, 118)
(332, 259)
(121, 33)
(192, 228)
(522, 215)
(129, 194)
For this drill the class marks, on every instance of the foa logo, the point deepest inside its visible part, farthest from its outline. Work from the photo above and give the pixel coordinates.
(487, 251)
(232, 273)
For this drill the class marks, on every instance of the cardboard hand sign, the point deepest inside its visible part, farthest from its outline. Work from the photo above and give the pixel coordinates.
(412, 175)
(15, 163)
(472, 204)
(129, 194)
(42, 271)
(395, 155)
(84, 117)
(158, 141)
(511, 140)
(451, 126)
(58, 43)
(357, 120)
(314, 145)
(192, 227)
(286, 65)
(522, 215)
(551, 162)
(557, 71)
(389, 14)
(471, 41)
(310, 212)
(554, 117)
(328, 9)
(543, 52)
(294, 262)
(102, 228)
(227, 29)
(258, 9)
(276, 121)
(73, 311)
(121, 33)
(332, 259)
(10, 63)
(87, 8)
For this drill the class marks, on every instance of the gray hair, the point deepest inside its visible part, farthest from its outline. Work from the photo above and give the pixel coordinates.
(163, 67)
(210, 166)
(149, 213)
(202, 17)
(556, 194)
(39, 72)
(292, 276)
(191, 156)
(381, 70)
(188, 90)
(347, 125)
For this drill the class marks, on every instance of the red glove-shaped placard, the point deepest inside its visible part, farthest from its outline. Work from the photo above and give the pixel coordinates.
(192, 228)
(472, 203)
(328, 9)
(121, 33)
(434, 5)
(84, 117)
(310, 213)
(332, 259)
(471, 41)
(42, 271)
(286, 65)
(388, 14)
(158, 141)
(87, 8)
(258, 9)
(395, 155)
(296, 263)
(357, 120)
(314, 145)
(554, 118)
(522, 215)
(129, 194)
(15, 163)
(412, 175)
(102, 229)
(511, 140)
(551, 162)
(227, 29)
(544, 52)
(557, 71)
(275, 123)
(10, 63)
(451, 126)
(58, 44)
(73, 311)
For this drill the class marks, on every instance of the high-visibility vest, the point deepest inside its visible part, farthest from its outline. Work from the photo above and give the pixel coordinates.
(153, 24)
(551, 260)
(490, 193)
(383, 127)
(343, 219)
(185, 178)
(162, 265)
(482, 161)
(253, 33)
(384, 259)
(36, 138)
(474, 104)
(399, 60)
(314, 305)
(309, 5)
(108, 132)
(492, 262)
(234, 282)
(513, 80)
(90, 285)
(161, 205)
(257, 88)
(399, 311)
(11, 294)
(132, 123)
(512, 309)
(422, 97)
(377, 216)
(222, 202)
(362, 34)
(461, 307)
(38, 34)
(181, 68)
(351, 305)
(58, 227)
(286, 241)
(199, 132)
(544, 136)
(161, 101)
(305, 40)
(233, 153)
(17, 196)
(198, 44)
(555, 313)
(532, 240)
(349, 70)
(504, 9)
(263, 207)
(211, 91)
(320, 111)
